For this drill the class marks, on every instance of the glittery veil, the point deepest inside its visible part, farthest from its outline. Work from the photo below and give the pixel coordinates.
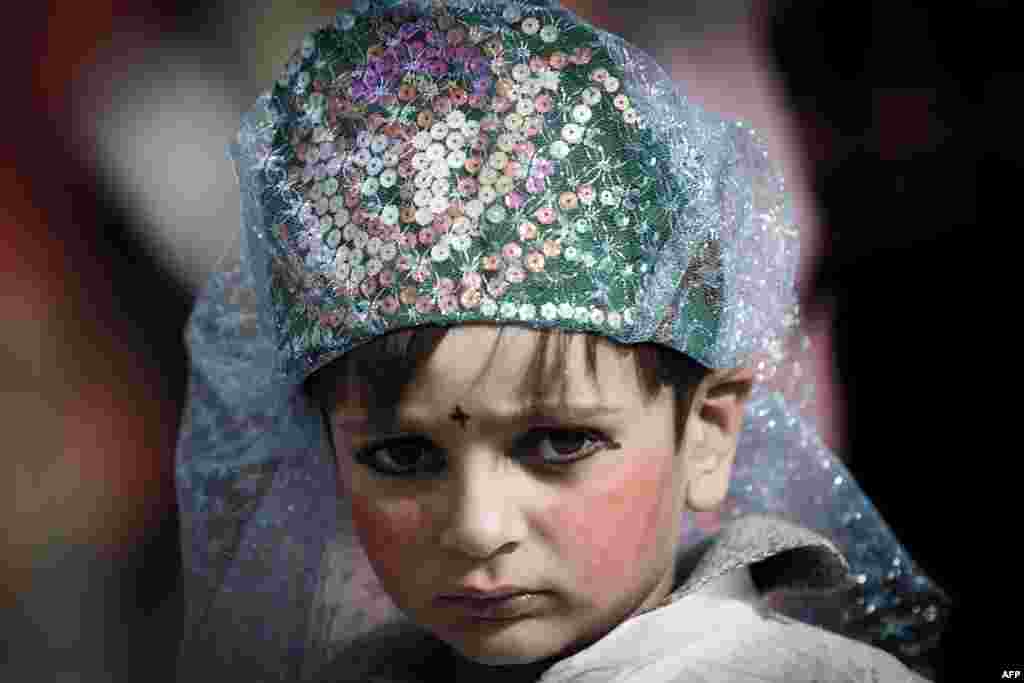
(634, 215)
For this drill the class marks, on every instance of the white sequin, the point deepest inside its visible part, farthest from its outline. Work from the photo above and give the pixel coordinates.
(439, 131)
(559, 149)
(582, 114)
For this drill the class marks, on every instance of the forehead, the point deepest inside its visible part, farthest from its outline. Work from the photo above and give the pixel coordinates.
(492, 364)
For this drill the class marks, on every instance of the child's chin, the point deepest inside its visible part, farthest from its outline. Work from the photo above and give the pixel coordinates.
(505, 649)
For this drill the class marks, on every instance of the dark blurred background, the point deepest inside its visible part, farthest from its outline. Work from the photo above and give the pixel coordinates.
(905, 111)
(119, 198)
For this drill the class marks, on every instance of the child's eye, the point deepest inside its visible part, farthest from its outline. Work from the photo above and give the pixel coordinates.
(413, 456)
(564, 446)
(400, 458)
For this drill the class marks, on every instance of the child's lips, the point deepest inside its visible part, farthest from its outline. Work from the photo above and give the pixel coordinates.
(514, 606)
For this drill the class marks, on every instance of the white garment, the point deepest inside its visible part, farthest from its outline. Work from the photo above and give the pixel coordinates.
(706, 637)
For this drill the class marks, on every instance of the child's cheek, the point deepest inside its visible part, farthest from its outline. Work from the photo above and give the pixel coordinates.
(388, 531)
(608, 530)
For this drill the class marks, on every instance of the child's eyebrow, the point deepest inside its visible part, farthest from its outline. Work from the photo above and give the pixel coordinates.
(412, 422)
(536, 410)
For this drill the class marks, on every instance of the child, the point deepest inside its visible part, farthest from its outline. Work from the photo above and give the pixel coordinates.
(431, 193)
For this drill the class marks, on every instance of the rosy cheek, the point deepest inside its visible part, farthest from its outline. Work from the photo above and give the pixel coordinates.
(388, 531)
(608, 531)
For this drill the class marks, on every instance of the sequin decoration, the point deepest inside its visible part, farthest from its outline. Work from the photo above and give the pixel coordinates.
(415, 147)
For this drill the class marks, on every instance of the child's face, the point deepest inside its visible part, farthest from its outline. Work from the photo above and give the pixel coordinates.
(597, 537)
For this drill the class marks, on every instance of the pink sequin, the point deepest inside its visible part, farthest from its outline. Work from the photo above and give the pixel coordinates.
(456, 36)
(512, 251)
(515, 274)
(581, 55)
(527, 231)
(426, 237)
(445, 286)
(514, 200)
(442, 106)
(543, 103)
(388, 305)
(448, 303)
(421, 274)
(424, 304)
(544, 167)
(472, 281)
(545, 215)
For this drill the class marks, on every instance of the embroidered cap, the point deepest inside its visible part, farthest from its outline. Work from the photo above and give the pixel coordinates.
(479, 161)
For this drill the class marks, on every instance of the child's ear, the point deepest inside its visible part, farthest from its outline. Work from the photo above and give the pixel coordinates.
(712, 432)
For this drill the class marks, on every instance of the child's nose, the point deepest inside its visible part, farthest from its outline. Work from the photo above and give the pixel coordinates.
(482, 516)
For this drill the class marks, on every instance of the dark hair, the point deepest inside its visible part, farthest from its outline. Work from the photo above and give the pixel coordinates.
(389, 363)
